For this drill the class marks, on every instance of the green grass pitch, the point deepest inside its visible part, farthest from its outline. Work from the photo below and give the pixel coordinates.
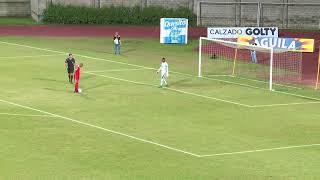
(124, 127)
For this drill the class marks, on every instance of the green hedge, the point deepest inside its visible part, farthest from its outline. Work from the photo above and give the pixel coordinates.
(61, 14)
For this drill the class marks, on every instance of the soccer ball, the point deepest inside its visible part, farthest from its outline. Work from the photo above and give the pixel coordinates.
(79, 90)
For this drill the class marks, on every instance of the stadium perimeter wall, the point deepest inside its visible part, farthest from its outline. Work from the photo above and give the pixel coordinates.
(281, 15)
(238, 13)
(15, 8)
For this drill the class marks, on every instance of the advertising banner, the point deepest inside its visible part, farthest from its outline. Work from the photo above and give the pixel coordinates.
(174, 30)
(235, 32)
(291, 44)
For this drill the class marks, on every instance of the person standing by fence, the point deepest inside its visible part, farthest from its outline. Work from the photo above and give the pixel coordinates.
(253, 52)
(117, 43)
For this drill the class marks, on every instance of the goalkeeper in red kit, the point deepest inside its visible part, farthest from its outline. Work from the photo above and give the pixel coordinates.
(77, 78)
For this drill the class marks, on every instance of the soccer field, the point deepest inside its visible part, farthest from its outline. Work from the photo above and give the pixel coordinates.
(124, 127)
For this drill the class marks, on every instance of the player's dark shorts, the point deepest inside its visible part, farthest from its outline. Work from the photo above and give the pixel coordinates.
(70, 70)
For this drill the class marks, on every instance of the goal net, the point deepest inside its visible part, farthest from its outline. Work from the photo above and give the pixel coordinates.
(260, 66)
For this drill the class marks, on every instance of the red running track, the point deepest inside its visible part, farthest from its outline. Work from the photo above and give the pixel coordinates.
(90, 31)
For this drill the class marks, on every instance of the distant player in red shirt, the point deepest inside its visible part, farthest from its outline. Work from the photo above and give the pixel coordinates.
(77, 77)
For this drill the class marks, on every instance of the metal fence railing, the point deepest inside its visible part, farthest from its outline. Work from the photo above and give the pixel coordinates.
(282, 15)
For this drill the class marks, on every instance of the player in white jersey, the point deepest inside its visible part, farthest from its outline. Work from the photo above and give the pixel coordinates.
(253, 52)
(164, 72)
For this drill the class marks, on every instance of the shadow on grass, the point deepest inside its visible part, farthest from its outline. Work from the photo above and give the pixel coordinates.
(52, 80)
(85, 96)
(63, 81)
(86, 77)
(180, 83)
(58, 90)
(96, 86)
(70, 91)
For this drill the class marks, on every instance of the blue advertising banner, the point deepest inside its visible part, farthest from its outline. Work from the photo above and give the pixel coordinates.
(174, 30)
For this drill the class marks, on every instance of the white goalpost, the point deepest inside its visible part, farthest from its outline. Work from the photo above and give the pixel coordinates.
(249, 63)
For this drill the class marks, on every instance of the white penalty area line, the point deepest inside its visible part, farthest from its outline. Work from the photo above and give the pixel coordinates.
(185, 74)
(255, 80)
(151, 142)
(116, 70)
(17, 57)
(171, 89)
(203, 96)
(139, 139)
(288, 104)
(218, 75)
(25, 115)
(297, 95)
(261, 150)
(249, 79)
(100, 128)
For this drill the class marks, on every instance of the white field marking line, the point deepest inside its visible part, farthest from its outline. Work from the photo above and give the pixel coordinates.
(288, 104)
(203, 96)
(254, 87)
(167, 147)
(134, 65)
(209, 97)
(101, 128)
(25, 115)
(101, 59)
(150, 142)
(265, 82)
(32, 47)
(171, 89)
(254, 80)
(230, 82)
(16, 57)
(116, 70)
(88, 57)
(218, 75)
(296, 95)
(260, 150)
